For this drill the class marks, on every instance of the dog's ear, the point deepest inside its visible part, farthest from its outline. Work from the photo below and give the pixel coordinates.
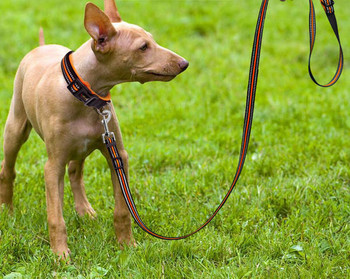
(100, 28)
(112, 11)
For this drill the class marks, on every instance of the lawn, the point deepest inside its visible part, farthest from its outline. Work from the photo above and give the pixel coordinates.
(289, 215)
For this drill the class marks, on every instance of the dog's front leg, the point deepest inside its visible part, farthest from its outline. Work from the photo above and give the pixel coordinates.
(122, 217)
(54, 182)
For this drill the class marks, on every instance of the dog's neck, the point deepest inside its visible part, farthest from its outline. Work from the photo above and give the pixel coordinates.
(91, 70)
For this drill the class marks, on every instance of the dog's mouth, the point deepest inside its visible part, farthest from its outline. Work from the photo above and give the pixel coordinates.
(154, 76)
(160, 75)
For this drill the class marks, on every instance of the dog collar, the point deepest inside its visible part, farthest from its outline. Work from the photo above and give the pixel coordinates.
(79, 88)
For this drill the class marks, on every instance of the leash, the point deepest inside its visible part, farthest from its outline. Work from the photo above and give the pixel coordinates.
(109, 138)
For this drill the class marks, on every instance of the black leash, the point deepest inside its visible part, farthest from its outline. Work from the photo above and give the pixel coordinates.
(109, 138)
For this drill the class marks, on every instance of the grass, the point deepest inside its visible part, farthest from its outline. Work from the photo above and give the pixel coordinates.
(288, 217)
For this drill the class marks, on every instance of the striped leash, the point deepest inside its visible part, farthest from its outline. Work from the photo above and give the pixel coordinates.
(111, 145)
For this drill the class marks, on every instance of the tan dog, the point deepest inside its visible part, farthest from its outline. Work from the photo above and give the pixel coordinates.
(118, 52)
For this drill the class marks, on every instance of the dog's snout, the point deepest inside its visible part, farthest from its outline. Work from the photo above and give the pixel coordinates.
(183, 64)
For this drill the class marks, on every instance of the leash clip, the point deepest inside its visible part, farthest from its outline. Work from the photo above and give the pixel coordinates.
(106, 117)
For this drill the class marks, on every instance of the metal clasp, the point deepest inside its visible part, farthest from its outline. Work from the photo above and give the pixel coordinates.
(106, 117)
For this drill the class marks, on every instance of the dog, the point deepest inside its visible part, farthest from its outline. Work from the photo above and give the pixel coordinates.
(117, 52)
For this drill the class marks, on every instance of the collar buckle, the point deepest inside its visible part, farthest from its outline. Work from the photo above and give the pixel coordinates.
(77, 88)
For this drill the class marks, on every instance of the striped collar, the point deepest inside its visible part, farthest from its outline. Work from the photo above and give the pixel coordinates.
(79, 88)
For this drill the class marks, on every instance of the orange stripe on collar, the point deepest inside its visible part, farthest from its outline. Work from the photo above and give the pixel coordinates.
(107, 98)
(80, 88)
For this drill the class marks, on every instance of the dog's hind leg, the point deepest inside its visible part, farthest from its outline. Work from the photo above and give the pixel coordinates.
(82, 205)
(17, 130)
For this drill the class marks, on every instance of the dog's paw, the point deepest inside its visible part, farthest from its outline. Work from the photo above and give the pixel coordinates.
(126, 242)
(63, 256)
(86, 210)
(6, 207)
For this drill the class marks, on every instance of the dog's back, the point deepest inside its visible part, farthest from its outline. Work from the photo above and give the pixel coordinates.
(39, 69)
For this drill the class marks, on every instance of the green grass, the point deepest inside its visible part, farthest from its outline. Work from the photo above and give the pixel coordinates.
(289, 216)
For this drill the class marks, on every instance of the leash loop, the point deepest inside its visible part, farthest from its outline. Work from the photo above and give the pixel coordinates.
(328, 6)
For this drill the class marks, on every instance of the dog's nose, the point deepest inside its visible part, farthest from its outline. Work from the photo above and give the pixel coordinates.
(183, 64)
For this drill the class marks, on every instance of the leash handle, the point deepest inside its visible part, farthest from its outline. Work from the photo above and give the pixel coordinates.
(111, 145)
(328, 6)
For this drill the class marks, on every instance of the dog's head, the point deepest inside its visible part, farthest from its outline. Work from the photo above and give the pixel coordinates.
(129, 52)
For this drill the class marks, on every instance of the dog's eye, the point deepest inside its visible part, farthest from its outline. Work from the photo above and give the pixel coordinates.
(144, 47)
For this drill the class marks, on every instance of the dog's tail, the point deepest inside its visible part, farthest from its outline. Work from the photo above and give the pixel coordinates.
(41, 37)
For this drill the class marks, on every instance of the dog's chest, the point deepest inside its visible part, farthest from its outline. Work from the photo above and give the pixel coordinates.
(87, 136)
(86, 145)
